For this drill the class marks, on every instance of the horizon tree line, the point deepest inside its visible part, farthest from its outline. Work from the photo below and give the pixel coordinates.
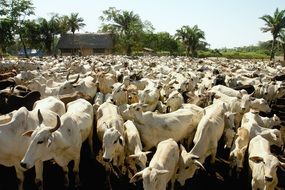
(129, 31)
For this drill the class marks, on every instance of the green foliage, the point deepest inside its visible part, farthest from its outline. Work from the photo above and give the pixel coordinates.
(161, 42)
(75, 22)
(6, 34)
(274, 24)
(236, 53)
(13, 13)
(191, 37)
(126, 26)
(281, 43)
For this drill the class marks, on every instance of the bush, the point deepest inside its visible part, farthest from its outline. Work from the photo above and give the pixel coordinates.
(234, 54)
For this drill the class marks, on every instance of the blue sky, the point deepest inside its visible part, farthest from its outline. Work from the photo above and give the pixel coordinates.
(226, 23)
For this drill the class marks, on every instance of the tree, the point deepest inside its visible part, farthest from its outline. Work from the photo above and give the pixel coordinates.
(49, 29)
(6, 34)
(126, 26)
(281, 41)
(31, 34)
(274, 24)
(13, 13)
(75, 23)
(191, 38)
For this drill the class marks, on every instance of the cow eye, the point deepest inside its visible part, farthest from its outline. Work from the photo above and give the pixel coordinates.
(40, 142)
(115, 141)
(187, 168)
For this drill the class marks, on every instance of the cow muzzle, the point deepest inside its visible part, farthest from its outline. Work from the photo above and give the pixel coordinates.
(268, 179)
(107, 159)
(24, 165)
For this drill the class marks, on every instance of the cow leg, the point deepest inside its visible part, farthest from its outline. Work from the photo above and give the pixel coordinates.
(66, 180)
(39, 174)
(76, 171)
(90, 142)
(20, 177)
(254, 185)
(108, 176)
(213, 155)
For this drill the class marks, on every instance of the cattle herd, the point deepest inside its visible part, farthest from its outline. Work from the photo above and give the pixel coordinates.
(153, 123)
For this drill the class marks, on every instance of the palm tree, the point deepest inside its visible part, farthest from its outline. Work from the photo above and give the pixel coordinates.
(191, 38)
(274, 24)
(127, 25)
(281, 40)
(75, 23)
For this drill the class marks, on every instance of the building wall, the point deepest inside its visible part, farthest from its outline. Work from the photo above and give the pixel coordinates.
(85, 51)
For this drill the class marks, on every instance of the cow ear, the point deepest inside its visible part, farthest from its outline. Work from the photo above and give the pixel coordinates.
(194, 157)
(49, 141)
(133, 156)
(243, 149)
(99, 114)
(256, 159)
(122, 141)
(160, 172)
(136, 177)
(28, 133)
(282, 166)
(217, 96)
(182, 148)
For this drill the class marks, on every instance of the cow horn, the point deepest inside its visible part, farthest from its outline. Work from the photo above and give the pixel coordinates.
(40, 117)
(197, 163)
(57, 125)
(75, 81)
(107, 70)
(67, 76)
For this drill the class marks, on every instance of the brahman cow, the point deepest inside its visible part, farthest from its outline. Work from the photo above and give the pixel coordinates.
(162, 167)
(62, 142)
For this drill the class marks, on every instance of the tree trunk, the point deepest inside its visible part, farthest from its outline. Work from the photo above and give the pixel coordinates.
(73, 43)
(272, 54)
(284, 54)
(24, 46)
(187, 51)
(129, 49)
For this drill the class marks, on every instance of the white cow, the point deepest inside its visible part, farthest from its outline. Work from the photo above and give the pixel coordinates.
(62, 142)
(209, 131)
(162, 167)
(239, 148)
(13, 145)
(249, 122)
(110, 131)
(263, 164)
(251, 127)
(134, 145)
(228, 91)
(174, 101)
(155, 128)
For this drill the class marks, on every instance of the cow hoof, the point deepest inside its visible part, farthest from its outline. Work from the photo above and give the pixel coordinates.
(39, 184)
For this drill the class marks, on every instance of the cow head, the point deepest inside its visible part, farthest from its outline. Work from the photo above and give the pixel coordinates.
(270, 164)
(68, 86)
(140, 158)
(151, 177)
(274, 136)
(113, 145)
(237, 155)
(260, 104)
(40, 145)
(188, 164)
(174, 101)
(245, 102)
